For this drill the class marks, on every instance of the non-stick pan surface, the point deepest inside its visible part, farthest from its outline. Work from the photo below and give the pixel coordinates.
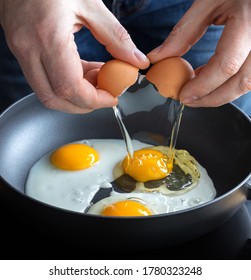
(219, 138)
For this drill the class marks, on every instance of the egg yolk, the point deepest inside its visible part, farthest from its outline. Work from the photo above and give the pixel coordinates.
(147, 165)
(74, 156)
(126, 208)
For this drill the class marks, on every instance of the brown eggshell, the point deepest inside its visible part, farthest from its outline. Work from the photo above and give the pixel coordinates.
(170, 75)
(115, 76)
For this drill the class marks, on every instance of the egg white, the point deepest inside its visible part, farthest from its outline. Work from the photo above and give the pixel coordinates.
(160, 203)
(74, 190)
(204, 191)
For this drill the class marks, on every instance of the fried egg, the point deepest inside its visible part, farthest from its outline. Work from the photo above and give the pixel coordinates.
(156, 202)
(70, 176)
(158, 168)
(131, 204)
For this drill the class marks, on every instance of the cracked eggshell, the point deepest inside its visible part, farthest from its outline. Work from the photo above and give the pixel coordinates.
(115, 76)
(170, 75)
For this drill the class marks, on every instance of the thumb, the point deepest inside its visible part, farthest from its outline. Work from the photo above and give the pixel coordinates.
(108, 31)
(190, 28)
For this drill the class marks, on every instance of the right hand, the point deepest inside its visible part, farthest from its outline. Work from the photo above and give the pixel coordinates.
(40, 35)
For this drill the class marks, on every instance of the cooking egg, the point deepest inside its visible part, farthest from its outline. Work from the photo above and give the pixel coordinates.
(154, 202)
(131, 204)
(149, 200)
(115, 76)
(147, 164)
(151, 170)
(202, 189)
(170, 75)
(70, 176)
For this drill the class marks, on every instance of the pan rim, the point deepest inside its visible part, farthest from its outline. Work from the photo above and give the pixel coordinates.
(194, 208)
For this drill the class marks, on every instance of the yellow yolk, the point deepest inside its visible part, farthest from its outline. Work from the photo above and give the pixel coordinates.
(147, 165)
(74, 156)
(126, 208)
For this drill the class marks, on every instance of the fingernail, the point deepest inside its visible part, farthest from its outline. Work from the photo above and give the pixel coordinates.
(190, 99)
(155, 51)
(140, 56)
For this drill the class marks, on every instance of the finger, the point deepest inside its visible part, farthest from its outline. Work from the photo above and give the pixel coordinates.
(39, 81)
(64, 69)
(198, 70)
(91, 65)
(92, 77)
(236, 86)
(50, 100)
(231, 52)
(109, 32)
(185, 34)
(37, 78)
(91, 70)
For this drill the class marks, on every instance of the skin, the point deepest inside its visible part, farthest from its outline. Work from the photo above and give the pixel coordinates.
(227, 75)
(41, 38)
(62, 81)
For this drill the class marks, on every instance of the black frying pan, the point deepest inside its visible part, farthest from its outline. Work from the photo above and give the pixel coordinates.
(219, 138)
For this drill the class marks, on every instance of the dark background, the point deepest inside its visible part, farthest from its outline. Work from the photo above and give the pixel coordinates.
(21, 240)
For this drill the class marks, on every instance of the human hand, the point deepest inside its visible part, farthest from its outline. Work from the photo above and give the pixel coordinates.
(227, 75)
(40, 35)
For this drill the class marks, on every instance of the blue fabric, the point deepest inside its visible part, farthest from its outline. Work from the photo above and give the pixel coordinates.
(148, 21)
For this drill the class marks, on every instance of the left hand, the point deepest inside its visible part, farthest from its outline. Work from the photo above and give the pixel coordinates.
(40, 34)
(227, 75)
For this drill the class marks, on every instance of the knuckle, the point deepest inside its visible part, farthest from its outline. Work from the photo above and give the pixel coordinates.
(177, 29)
(42, 30)
(230, 65)
(14, 42)
(179, 32)
(49, 103)
(91, 104)
(121, 33)
(64, 91)
(20, 47)
(216, 101)
(24, 51)
(204, 87)
(244, 84)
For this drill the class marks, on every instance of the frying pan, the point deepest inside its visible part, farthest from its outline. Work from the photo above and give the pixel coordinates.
(219, 138)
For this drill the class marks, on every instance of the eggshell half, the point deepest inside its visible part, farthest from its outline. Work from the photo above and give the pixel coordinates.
(115, 76)
(170, 75)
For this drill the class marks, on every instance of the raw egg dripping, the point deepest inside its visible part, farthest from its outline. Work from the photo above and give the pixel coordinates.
(169, 76)
(116, 76)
